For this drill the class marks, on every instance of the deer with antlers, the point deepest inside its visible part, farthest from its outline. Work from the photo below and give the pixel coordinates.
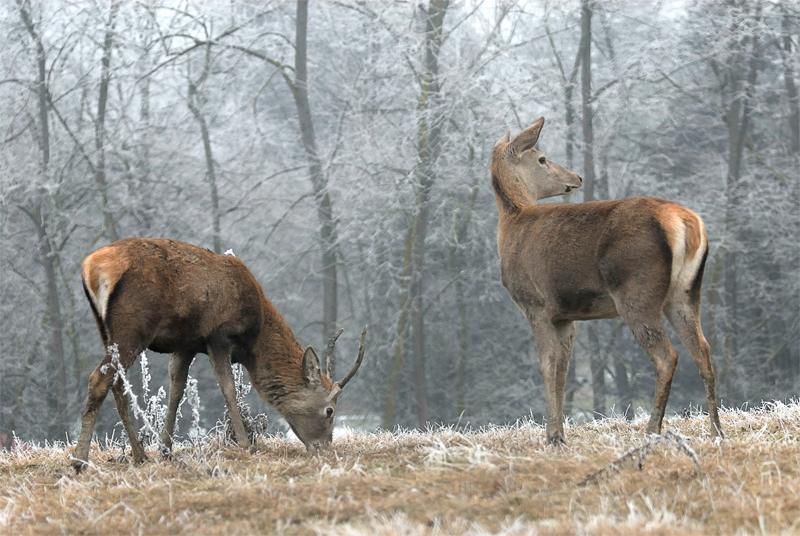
(176, 298)
(640, 258)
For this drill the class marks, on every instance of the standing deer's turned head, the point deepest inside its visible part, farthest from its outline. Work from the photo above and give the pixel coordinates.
(529, 175)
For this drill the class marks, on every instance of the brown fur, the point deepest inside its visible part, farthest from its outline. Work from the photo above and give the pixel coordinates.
(640, 258)
(172, 297)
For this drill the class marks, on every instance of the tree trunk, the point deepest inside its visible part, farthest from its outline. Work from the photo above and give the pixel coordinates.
(456, 267)
(598, 368)
(429, 128)
(327, 233)
(100, 127)
(567, 85)
(595, 359)
(58, 395)
(586, 100)
(194, 104)
(416, 312)
(57, 381)
(142, 174)
(624, 395)
(742, 77)
(411, 303)
(402, 333)
(791, 88)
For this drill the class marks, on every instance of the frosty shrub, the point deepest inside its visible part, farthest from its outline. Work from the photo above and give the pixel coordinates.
(155, 410)
(153, 415)
(192, 396)
(148, 428)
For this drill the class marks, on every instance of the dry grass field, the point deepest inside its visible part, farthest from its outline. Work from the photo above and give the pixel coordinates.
(502, 480)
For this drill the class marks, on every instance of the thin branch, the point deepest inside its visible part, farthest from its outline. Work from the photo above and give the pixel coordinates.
(280, 220)
(638, 455)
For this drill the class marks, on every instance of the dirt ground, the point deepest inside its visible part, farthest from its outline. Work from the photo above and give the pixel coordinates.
(502, 480)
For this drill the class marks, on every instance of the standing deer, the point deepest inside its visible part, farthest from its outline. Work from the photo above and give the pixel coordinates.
(172, 297)
(639, 258)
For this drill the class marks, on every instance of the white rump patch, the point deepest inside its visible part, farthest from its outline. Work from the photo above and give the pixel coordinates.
(100, 299)
(230, 252)
(684, 268)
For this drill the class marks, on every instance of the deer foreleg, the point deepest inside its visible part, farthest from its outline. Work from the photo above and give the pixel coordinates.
(219, 355)
(566, 339)
(547, 342)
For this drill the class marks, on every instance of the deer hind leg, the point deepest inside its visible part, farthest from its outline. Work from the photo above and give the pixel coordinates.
(123, 408)
(179, 363)
(219, 353)
(685, 318)
(127, 356)
(634, 303)
(100, 381)
(652, 337)
(99, 384)
(554, 343)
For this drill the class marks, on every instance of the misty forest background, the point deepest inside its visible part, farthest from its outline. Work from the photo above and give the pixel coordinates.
(341, 149)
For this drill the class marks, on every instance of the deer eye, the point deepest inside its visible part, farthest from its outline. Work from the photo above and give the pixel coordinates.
(329, 412)
(542, 159)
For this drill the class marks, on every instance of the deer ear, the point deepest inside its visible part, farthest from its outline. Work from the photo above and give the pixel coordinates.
(311, 371)
(504, 139)
(527, 138)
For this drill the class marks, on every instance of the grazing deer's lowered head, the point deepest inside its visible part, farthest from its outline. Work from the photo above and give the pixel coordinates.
(172, 297)
(640, 258)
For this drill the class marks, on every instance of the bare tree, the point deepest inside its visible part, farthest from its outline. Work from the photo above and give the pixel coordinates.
(327, 223)
(36, 212)
(429, 124)
(194, 102)
(109, 223)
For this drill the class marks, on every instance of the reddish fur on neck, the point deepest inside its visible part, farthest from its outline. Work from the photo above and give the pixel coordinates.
(284, 350)
(511, 194)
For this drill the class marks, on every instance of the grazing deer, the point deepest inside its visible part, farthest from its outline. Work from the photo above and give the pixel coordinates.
(172, 297)
(639, 258)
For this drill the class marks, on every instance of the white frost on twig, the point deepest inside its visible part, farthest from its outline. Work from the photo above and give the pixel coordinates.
(670, 439)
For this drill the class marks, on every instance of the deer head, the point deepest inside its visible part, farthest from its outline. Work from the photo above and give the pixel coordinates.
(527, 171)
(311, 410)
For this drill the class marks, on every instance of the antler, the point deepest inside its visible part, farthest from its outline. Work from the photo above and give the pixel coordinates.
(329, 352)
(360, 358)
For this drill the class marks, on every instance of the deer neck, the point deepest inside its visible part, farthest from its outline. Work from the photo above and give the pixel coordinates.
(512, 198)
(277, 370)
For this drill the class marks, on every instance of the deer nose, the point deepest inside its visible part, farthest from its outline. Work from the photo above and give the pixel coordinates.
(580, 180)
